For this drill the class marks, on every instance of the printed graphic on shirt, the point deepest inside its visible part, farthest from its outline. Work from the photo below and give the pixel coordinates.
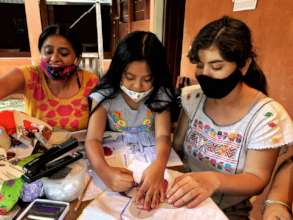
(67, 114)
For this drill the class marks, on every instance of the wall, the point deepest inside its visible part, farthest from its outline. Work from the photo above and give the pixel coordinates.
(7, 64)
(272, 30)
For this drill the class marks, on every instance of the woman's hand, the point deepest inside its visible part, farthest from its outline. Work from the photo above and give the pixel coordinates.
(276, 212)
(118, 179)
(152, 190)
(193, 188)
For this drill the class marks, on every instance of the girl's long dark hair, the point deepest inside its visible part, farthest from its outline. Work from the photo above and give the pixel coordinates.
(233, 39)
(139, 46)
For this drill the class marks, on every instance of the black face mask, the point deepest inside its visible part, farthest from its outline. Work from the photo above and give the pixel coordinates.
(219, 88)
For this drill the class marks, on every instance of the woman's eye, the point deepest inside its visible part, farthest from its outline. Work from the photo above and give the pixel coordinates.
(48, 51)
(216, 67)
(128, 77)
(148, 79)
(64, 52)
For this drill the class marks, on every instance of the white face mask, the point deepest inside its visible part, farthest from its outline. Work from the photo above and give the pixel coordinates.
(135, 96)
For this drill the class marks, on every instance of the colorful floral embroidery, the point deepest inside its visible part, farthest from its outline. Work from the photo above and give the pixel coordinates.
(272, 124)
(215, 148)
(268, 114)
(119, 123)
(275, 139)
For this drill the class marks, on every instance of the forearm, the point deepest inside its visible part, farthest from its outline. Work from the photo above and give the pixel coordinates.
(163, 144)
(95, 154)
(282, 186)
(240, 184)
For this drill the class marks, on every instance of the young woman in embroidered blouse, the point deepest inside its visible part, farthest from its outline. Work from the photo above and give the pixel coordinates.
(231, 132)
(56, 90)
(134, 96)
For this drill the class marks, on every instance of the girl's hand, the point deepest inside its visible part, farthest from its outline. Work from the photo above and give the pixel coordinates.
(192, 188)
(151, 191)
(118, 179)
(276, 212)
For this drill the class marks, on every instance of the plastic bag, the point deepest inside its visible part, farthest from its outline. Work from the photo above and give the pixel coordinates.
(66, 188)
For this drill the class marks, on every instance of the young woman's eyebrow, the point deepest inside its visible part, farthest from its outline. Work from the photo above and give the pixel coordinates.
(132, 74)
(215, 61)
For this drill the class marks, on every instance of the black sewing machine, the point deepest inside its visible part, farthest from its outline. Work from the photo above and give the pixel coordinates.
(51, 161)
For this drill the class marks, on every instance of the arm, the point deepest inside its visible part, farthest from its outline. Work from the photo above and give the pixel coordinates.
(11, 82)
(163, 137)
(118, 179)
(151, 191)
(281, 190)
(256, 174)
(196, 187)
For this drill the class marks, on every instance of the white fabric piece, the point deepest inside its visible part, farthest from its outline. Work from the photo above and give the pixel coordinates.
(110, 205)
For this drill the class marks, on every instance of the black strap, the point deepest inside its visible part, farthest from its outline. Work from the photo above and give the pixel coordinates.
(78, 81)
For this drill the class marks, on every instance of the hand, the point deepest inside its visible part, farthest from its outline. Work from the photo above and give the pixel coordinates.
(276, 212)
(152, 190)
(118, 179)
(192, 188)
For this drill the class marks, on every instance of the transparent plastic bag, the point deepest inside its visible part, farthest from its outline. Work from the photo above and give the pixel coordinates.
(66, 188)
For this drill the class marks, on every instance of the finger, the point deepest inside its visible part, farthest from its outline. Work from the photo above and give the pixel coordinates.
(181, 192)
(148, 200)
(179, 178)
(176, 186)
(196, 201)
(126, 177)
(186, 198)
(155, 200)
(162, 195)
(141, 193)
(124, 170)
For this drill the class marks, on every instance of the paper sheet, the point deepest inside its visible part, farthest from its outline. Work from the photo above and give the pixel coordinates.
(9, 171)
(241, 5)
(124, 148)
(109, 205)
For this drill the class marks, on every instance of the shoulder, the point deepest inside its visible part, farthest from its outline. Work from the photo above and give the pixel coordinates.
(271, 127)
(271, 109)
(100, 95)
(31, 72)
(88, 73)
(190, 98)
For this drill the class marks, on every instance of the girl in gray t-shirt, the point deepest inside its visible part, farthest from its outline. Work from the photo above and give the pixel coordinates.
(134, 96)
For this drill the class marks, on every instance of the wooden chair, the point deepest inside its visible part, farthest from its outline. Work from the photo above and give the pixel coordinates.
(90, 62)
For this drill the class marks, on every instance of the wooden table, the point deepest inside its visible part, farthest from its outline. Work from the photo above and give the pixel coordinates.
(72, 214)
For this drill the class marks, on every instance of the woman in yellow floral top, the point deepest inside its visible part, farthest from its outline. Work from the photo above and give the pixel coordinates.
(56, 90)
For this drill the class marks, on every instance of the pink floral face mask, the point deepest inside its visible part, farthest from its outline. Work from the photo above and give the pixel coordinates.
(58, 73)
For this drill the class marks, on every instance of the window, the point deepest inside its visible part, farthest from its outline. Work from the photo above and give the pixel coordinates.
(14, 38)
(66, 13)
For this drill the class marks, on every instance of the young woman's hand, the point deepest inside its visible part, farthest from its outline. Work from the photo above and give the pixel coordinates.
(118, 179)
(192, 188)
(276, 212)
(152, 190)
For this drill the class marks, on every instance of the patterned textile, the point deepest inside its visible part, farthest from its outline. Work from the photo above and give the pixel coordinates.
(70, 114)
